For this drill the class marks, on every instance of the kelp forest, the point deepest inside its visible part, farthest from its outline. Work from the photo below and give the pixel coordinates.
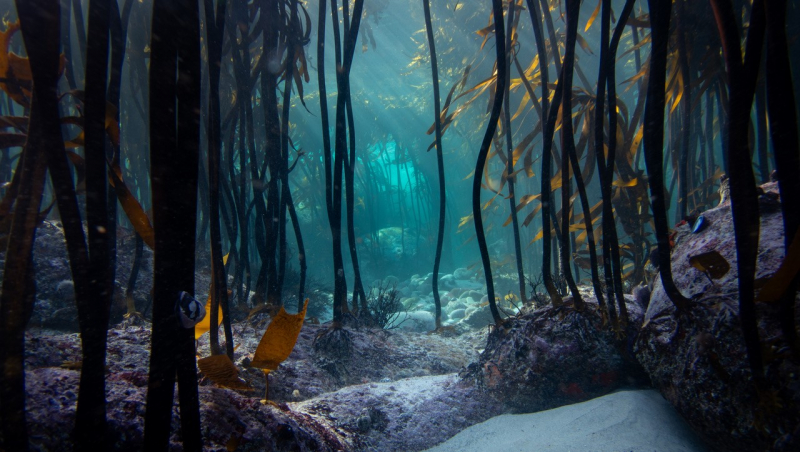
(295, 150)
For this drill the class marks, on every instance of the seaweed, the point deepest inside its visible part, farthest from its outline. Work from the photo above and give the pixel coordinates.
(174, 154)
(439, 162)
(501, 69)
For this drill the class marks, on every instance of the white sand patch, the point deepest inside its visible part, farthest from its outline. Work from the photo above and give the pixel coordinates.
(630, 421)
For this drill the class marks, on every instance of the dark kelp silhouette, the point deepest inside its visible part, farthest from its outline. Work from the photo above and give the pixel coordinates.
(174, 153)
(699, 83)
(439, 163)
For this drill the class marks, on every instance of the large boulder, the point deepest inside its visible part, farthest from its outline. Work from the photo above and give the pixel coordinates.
(556, 356)
(699, 360)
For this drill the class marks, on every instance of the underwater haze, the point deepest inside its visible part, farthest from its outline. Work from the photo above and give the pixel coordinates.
(399, 225)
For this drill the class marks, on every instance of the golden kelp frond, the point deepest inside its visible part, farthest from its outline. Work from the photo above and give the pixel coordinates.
(711, 263)
(278, 341)
(623, 183)
(593, 17)
(205, 325)
(221, 370)
(111, 123)
(14, 69)
(134, 211)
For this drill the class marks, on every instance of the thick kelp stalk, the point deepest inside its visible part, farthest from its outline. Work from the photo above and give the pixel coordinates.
(547, 275)
(660, 11)
(568, 146)
(93, 312)
(783, 128)
(439, 161)
(215, 25)
(512, 198)
(40, 32)
(294, 39)
(605, 185)
(118, 28)
(174, 155)
(267, 217)
(345, 49)
(606, 161)
(685, 148)
(611, 79)
(500, 86)
(349, 181)
(323, 106)
(602, 163)
(742, 79)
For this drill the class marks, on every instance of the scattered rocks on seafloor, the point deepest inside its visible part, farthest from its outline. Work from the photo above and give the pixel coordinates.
(699, 361)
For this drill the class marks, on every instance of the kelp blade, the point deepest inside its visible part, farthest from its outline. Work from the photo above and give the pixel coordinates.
(278, 341)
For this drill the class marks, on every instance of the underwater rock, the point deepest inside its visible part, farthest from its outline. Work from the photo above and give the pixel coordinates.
(419, 321)
(51, 383)
(447, 282)
(481, 316)
(462, 273)
(642, 295)
(409, 302)
(475, 295)
(458, 314)
(556, 356)
(699, 362)
(408, 415)
(226, 416)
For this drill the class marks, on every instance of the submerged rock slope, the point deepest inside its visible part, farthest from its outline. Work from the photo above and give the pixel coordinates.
(699, 361)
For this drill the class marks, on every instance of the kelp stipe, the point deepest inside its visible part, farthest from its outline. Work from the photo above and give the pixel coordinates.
(439, 163)
(742, 76)
(174, 154)
(660, 12)
(782, 125)
(500, 46)
(18, 287)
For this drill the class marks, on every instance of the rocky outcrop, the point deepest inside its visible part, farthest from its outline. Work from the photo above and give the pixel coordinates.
(394, 390)
(556, 356)
(699, 362)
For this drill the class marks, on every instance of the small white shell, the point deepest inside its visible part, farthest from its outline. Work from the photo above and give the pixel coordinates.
(189, 310)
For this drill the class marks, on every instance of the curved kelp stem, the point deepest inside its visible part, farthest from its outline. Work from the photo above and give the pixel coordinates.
(547, 276)
(512, 198)
(40, 30)
(301, 250)
(782, 126)
(605, 185)
(611, 80)
(654, 141)
(215, 24)
(174, 155)
(568, 146)
(439, 161)
(344, 58)
(500, 86)
(93, 311)
(742, 79)
(323, 106)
